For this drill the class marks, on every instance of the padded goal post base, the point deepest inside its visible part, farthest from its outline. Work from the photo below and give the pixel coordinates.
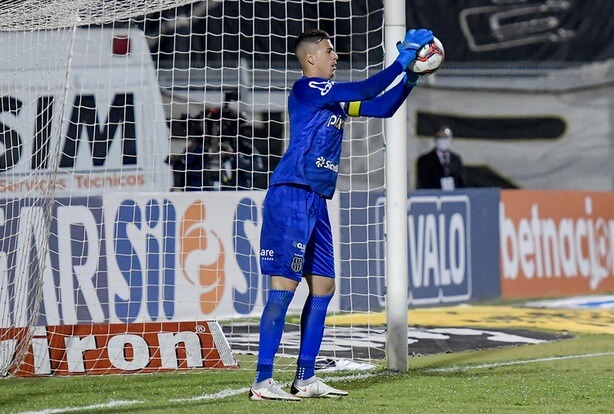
(119, 348)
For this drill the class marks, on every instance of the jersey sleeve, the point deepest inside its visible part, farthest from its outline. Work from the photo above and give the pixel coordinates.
(321, 91)
(383, 106)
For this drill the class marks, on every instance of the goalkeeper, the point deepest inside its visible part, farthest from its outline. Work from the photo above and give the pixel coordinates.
(296, 238)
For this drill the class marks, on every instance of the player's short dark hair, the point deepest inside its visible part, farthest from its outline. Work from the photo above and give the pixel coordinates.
(311, 36)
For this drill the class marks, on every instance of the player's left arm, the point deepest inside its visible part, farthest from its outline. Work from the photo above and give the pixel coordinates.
(386, 104)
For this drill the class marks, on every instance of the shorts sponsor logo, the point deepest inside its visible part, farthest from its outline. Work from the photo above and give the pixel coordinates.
(267, 254)
(297, 264)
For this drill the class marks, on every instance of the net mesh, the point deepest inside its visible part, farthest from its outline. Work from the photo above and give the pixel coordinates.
(137, 140)
(58, 14)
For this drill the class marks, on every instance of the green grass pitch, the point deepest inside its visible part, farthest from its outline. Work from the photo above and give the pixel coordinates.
(567, 376)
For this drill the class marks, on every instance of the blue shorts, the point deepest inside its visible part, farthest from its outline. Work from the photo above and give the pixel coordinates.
(296, 238)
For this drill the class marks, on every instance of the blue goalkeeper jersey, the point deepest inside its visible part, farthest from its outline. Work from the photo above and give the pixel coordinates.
(318, 109)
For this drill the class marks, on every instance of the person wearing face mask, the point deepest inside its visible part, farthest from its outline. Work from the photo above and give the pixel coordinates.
(440, 168)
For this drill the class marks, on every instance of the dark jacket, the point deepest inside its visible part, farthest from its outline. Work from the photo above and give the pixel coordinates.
(430, 171)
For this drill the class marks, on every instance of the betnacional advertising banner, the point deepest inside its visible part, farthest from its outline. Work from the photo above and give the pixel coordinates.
(556, 243)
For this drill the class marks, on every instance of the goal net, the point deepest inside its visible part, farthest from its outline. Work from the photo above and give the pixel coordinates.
(136, 141)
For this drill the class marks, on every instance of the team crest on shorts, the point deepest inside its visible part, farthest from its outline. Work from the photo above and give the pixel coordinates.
(297, 264)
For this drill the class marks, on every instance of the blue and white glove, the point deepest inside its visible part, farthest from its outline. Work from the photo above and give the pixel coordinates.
(414, 40)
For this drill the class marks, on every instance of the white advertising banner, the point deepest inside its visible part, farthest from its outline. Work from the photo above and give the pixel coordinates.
(183, 256)
(139, 257)
(77, 118)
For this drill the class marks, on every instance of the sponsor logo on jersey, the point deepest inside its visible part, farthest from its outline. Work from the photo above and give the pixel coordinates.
(336, 121)
(323, 87)
(299, 245)
(322, 162)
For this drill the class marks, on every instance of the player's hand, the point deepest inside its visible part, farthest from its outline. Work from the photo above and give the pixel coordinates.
(414, 40)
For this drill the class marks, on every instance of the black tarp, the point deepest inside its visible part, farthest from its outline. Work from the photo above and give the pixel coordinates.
(518, 30)
(264, 32)
(473, 31)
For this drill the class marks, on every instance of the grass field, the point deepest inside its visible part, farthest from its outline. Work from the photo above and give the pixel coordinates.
(567, 376)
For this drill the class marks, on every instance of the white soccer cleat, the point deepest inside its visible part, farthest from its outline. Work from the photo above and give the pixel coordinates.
(269, 390)
(315, 388)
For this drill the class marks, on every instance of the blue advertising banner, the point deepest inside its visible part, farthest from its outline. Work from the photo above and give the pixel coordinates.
(453, 245)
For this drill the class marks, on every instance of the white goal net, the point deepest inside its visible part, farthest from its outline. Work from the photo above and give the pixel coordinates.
(136, 141)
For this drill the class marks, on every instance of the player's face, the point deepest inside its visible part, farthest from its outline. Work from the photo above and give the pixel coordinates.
(325, 60)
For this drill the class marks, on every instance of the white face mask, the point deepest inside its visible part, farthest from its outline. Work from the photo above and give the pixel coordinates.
(443, 144)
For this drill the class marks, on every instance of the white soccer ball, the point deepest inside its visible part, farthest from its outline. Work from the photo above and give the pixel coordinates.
(429, 58)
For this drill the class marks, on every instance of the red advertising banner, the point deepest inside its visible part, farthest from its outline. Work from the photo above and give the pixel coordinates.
(556, 243)
(121, 348)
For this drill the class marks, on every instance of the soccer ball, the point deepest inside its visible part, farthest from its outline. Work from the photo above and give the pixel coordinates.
(429, 58)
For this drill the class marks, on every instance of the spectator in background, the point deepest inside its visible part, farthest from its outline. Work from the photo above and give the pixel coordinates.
(220, 154)
(241, 165)
(440, 168)
(189, 168)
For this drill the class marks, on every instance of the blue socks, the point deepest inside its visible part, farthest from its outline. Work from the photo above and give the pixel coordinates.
(271, 328)
(312, 331)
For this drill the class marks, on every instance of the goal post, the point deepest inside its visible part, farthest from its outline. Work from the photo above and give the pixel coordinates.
(396, 209)
(137, 139)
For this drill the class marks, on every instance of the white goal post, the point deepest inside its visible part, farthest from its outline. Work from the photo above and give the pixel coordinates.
(136, 141)
(396, 209)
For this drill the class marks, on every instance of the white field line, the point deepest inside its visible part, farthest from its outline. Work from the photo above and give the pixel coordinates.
(232, 392)
(215, 396)
(110, 404)
(521, 362)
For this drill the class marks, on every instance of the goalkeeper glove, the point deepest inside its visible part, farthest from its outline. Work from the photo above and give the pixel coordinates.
(414, 40)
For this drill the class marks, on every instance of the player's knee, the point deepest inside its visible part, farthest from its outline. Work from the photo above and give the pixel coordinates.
(322, 285)
(283, 283)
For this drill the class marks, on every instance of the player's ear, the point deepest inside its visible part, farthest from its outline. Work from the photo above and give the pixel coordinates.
(310, 59)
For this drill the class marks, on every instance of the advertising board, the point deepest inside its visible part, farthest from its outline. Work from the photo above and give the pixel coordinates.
(136, 258)
(452, 248)
(556, 243)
